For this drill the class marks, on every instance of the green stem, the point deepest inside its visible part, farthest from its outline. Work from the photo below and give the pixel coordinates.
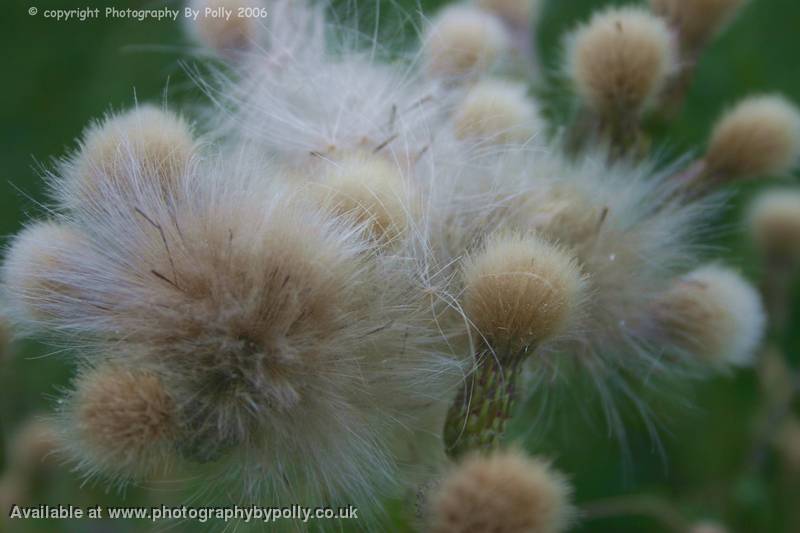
(477, 419)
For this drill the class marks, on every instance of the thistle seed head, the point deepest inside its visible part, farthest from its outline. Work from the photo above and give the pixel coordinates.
(505, 492)
(760, 136)
(464, 41)
(37, 271)
(715, 315)
(697, 21)
(497, 112)
(124, 157)
(225, 36)
(774, 224)
(120, 422)
(520, 291)
(620, 60)
(372, 190)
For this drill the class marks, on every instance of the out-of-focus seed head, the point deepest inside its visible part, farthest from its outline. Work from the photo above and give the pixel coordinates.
(697, 21)
(226, 35)
(120, 423)
(515, 12)
(715, 315)
(497, 111)
(620, 60)
(760, 136)
(521, 291)
(33, 447)
(127, 155)
(464, 41)
(13, 491)
(372, 190)
(505, 492)
(774, 224)
(37, 267)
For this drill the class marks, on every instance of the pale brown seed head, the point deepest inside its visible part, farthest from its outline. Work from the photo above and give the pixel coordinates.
(760, 136)
(124, 421)
(713, 314)
(505, 492)
(372, 190)
(37, 267)
(697, 21)
(496, 111)
(520, 291)
(464, 41)
(516, 12)
(127, 155)
(226, 36)
(774, 224)
(620, 60)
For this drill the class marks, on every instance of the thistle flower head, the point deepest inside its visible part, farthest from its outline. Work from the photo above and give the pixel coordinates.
(714, 315)
(760, 136)
(121, 422)
(521, 291)
(372, 190)
(145, 147)
(286, 344)
(464, 41)
(226, 36)
(774, 224)
(620, 59)
(629, 229)
(697, 21)
(516, 12)
(505, 492)
(37, 272)
(496, 111)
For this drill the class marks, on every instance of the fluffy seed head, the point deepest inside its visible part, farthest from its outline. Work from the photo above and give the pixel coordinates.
(225, 36)
(370, 189)
(516, 12)
(521, 290)
(620, 60)
(760, 136)
(715, 315)
(36, 269)
(697, 21)
(774, 224)
(464, 41)
(505, 492)
(146, 147)
(121, 422)
(294, 352)
(32, 446)
(497, 111)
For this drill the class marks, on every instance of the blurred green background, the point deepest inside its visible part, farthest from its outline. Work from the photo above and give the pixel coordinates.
(60, 75)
